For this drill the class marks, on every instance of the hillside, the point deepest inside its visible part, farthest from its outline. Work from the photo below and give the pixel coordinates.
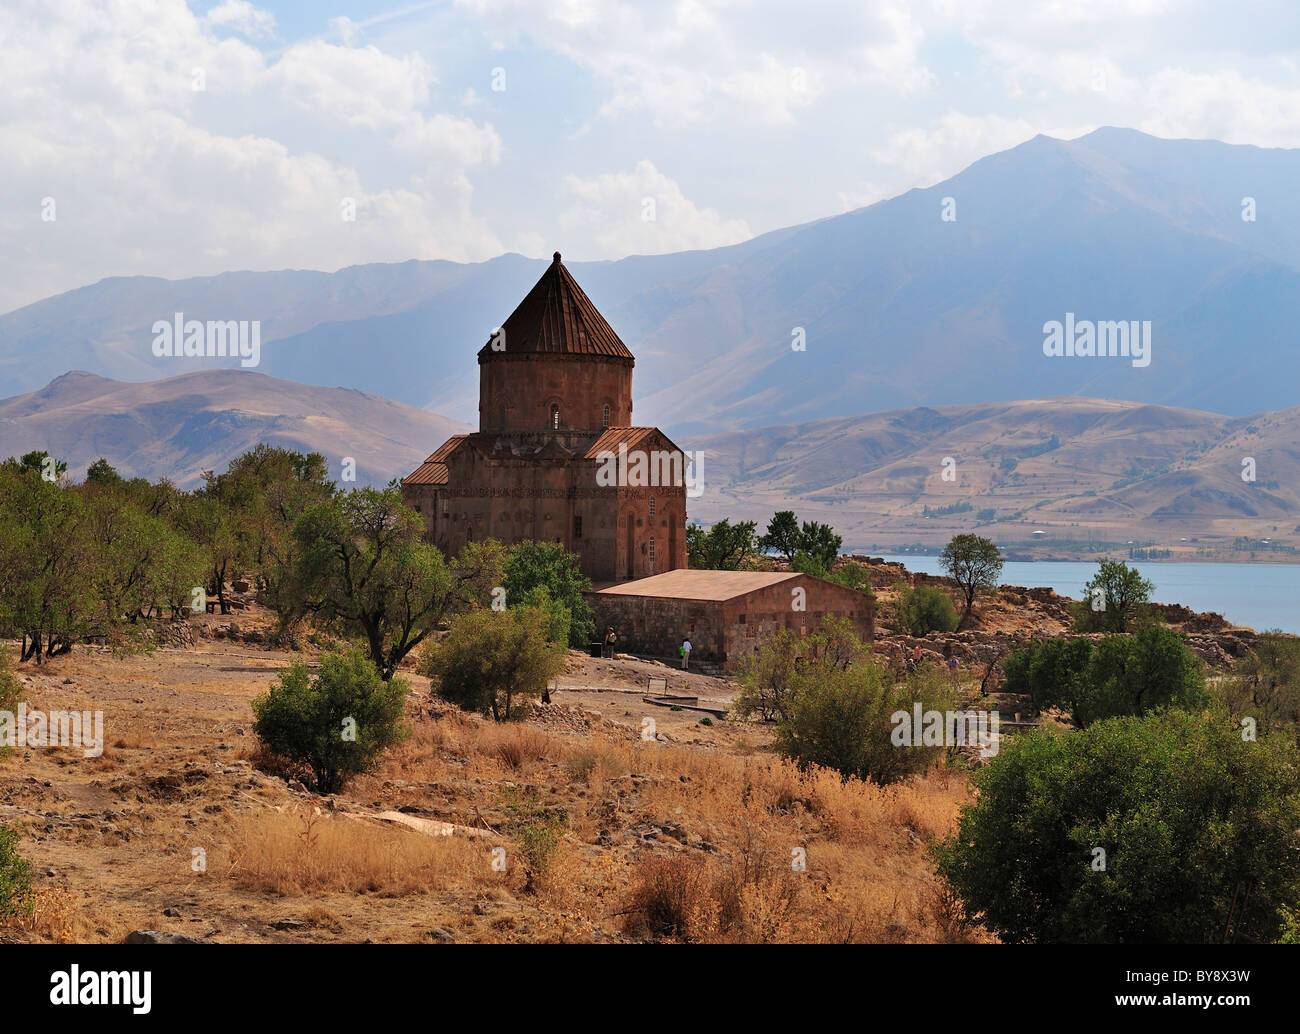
(179, 427)
(899, 307)
(1072, 468)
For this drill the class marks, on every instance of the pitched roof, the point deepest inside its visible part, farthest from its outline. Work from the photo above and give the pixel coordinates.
(684, 584)
(612, 437)
(433, 471)
(557, 316)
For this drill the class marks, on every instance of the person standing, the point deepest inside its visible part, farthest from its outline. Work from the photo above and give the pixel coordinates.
(686, 653)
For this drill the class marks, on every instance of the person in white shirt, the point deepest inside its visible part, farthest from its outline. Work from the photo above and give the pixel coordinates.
(686, 653)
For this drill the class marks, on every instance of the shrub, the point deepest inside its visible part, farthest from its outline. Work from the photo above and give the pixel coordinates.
(1189, 816)
(840, 719)
(537, 830)
(10, 692)
(926, 609)
(1120, 675)
(1114, 600)
(495, 662)
(336, 724)
(16, 896)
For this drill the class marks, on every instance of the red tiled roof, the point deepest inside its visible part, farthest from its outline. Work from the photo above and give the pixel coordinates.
(433, 471)
(557, 316)
(612, 437)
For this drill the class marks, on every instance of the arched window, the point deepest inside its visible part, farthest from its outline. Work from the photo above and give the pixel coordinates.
(604, 420)
(555, 417)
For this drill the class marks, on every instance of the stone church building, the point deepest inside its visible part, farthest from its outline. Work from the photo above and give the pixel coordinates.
(556, 457)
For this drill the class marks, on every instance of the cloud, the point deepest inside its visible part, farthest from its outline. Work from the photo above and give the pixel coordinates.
(150, 176)
(243, 17)
(644, 212)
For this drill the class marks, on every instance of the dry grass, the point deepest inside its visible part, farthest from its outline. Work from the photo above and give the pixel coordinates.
(302, 852)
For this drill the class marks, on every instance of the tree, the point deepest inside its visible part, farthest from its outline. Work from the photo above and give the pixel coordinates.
(1135, 830)
(925, 609)
(362, 565)
(101, 472)
(495, 662)
(1136, 674)
(974, 563)
(17, 898)
(46, 593)
(1265, 685)
(782, 535)
(1113, 599)
(820, 542)
(336, 724)
(772, 674)
(1119, 675)
(724, 547)
(840, 718)
(549, 565)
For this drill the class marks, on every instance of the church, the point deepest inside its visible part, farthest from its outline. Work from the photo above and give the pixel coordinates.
(556, 457)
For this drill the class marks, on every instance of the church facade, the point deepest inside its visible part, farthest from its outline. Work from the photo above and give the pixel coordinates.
(556, 457)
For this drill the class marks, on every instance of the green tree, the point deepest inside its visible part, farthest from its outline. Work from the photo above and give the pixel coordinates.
(336, 724)
(1136, 674)
(16, 896)
(1192, 822)
(1265, 685)
(495, 662)
(820, 542)
(840, 718)
(362, 565)
(771, 675)
(1051, 672)
(101, 472)
(782, 535)
(974, 563)
(924, 609)
(548, 565)
(1113, 600)
(724, 547)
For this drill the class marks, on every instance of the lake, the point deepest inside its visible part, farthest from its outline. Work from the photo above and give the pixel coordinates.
(1259, 595)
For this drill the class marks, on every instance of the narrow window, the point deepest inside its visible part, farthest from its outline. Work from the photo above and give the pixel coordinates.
(605, 419)
(555, 417)
(652, 550)
(577, 526)
(652, 506)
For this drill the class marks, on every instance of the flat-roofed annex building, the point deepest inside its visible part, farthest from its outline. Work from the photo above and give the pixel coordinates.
(725, 614)
(555, 403)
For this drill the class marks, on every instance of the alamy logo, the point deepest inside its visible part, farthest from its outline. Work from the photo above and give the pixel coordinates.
(921, 728)
(216, 339)
(655, 469)
(123, 987)
(1109, 338)
(35, 728)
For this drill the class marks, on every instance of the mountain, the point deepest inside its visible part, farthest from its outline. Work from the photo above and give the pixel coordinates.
(1075, 469)
(179, 427)
(1071, 468)
(898, 307)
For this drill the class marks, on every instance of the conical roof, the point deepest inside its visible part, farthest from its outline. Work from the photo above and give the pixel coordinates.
(557, 317)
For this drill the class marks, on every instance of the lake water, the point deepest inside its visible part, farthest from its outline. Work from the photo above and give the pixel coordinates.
(1259, 595)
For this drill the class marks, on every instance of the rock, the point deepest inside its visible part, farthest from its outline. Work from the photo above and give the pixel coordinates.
(439, 935)
(159, 937)
(289, 924)
(171, 913)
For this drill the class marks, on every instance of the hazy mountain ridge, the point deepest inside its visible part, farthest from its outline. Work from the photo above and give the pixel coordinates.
(179, 427)
(899, 307)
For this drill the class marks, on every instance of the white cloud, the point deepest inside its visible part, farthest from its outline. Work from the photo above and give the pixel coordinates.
(99, 113)
(644, 212)
(243, 17)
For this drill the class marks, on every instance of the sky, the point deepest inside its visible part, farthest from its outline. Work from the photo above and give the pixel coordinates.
(175, 139)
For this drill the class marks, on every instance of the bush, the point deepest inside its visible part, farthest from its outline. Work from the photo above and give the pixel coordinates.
(336, 724)
(10, 692)
(538, 830)
(495, 662)
(926, 609)
(1193, 822)
(548, 565)
(771, 675)
(1114, 600)
(1120, 675)
(16, 896)
(840, 718)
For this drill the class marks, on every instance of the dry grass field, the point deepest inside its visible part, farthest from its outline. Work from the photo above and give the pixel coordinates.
(568, 827)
